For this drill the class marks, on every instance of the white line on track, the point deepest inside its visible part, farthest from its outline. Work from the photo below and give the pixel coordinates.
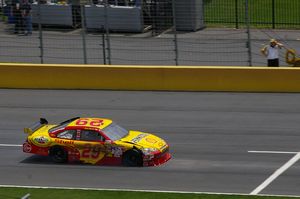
(11, 145)
(105, 189)
(256, 191)
(276, 174)
(278, 152)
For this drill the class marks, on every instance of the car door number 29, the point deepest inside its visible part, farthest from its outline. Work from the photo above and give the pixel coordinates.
(93, 152)
(90, 152)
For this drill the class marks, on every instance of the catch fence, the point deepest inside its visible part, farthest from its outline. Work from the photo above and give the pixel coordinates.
(150, 32)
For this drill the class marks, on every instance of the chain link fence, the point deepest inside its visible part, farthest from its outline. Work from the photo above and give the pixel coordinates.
(147, 32)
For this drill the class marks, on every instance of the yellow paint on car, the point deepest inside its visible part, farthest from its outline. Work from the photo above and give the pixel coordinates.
(145, 140)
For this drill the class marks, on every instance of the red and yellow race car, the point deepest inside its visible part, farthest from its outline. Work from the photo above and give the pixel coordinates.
(95, 141)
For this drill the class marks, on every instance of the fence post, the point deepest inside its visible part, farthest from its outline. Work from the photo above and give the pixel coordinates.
(83, 29)
(236, 15)
(248, 32)
(106, 22)
(3, 14)
(103, 46)
(175, 32)
(40, 33)
(273, 14)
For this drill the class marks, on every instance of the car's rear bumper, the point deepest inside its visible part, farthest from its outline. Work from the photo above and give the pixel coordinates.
(30, 148)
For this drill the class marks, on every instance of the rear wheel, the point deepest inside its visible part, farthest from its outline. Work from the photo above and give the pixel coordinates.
(58, 154)
(132, 158)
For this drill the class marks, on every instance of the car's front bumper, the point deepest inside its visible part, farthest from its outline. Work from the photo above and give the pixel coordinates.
(157, 159)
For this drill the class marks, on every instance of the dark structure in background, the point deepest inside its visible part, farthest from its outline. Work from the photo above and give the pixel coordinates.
(189, 15)
(159, 14)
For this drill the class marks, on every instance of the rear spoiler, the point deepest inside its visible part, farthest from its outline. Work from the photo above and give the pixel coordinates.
(35, 126)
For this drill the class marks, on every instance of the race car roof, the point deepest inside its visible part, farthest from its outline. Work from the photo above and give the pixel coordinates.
(100, 123)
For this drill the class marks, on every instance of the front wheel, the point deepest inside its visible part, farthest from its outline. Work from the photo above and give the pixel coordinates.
(58, 154)
(132, 158)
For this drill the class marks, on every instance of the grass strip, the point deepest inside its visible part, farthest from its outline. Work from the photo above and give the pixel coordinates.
(37, 193)
(262, 13)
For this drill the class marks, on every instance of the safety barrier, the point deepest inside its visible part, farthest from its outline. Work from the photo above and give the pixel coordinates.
(246, 79)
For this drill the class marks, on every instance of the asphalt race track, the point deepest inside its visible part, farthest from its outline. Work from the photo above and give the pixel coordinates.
(220, 142)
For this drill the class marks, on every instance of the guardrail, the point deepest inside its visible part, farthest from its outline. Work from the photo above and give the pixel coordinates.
(163, 78)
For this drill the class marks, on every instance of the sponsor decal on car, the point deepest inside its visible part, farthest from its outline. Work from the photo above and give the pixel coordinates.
(151, 140)
(27, 147)
(116, 151)
(61, 141)
(41, 140)
(139, 137)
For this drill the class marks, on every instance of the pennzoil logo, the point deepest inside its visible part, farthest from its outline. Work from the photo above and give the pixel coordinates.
(41, 140)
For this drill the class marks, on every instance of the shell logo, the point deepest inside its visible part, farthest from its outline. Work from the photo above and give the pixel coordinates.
(151, 140)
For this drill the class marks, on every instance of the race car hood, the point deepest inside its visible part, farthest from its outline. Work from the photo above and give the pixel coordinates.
(145, 140)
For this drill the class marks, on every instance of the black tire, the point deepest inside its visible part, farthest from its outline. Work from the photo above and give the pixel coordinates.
(58, 154)
(132, 158)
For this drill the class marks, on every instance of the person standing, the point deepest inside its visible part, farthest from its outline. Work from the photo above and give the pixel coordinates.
(271, 51)
(17, 14)
(26, 14)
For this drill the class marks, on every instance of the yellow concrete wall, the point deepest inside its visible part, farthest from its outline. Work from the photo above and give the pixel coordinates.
(50, 76)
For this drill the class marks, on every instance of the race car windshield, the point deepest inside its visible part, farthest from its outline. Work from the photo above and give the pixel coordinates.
(115, 132)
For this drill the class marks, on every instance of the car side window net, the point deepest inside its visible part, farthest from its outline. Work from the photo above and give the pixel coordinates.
(68, 134)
